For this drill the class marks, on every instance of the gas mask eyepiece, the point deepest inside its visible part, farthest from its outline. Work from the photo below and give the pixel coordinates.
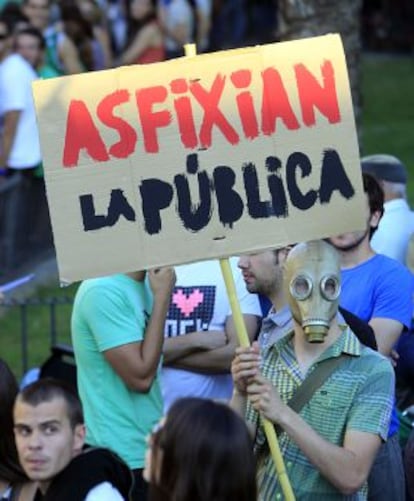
(313, 277)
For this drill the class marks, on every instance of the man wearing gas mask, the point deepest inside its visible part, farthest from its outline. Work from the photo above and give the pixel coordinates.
(330, 443)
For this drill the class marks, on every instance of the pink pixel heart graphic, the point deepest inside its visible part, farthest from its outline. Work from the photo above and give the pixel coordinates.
(187, 304)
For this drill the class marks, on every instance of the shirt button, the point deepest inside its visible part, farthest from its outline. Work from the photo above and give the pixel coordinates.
(278, 496)
(289, 464)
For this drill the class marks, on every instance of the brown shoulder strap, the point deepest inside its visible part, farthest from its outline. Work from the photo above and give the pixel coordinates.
(314, 381)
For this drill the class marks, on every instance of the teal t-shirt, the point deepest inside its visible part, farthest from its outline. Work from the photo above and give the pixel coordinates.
(110, 312)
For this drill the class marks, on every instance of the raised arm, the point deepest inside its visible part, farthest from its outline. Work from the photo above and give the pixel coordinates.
(136, 363)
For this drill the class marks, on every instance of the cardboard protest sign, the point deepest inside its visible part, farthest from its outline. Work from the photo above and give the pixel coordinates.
(199, 157)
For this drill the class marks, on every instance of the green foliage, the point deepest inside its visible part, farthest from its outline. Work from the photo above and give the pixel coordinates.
(388, 109)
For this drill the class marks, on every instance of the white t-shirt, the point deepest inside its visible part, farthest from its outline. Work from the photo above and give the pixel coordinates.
(200, 302)
(16, 77)
(394, 230)
(104, 492)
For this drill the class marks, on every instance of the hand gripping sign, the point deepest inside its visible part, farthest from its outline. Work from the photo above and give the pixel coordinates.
(199, 158)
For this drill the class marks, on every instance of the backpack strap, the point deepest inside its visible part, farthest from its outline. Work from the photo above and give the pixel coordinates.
(314, 381)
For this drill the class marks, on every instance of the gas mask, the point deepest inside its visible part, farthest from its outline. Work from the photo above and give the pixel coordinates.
(312, 286)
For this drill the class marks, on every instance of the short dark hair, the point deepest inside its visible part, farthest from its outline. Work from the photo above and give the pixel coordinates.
(46, 390)
(200, 440)
(375, 196)
(35, 33)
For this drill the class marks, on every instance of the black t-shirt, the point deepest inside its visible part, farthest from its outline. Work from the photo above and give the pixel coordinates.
(91, 468)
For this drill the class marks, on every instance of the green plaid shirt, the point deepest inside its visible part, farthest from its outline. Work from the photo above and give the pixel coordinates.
(359, 395)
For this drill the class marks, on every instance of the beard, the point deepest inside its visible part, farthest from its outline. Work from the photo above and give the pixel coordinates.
(352, 245)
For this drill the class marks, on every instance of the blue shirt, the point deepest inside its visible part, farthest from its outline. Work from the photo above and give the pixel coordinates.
(380, 287)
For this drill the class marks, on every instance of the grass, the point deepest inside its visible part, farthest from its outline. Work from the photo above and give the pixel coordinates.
(388, 115)
(38, 328)
(388, 110)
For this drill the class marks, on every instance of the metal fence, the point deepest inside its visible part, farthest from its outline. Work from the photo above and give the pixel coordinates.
(27, 311)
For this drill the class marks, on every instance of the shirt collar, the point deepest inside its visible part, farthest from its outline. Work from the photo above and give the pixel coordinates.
(346, 343)
(279, 318)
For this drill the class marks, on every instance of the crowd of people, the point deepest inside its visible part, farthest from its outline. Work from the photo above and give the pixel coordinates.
(47, 38)
(166, 405)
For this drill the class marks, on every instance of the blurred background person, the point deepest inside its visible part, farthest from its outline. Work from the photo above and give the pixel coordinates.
(61, 52)
(177, 21)
(96, 17)
(203, 13)
(30, 44)
(13, 14)
(116, 14)
(80, 31)
(145, 41)
(230, 24)
(19, 140)
(397, 224)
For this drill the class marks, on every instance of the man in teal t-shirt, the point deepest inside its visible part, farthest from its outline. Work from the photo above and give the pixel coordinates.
(117, 334)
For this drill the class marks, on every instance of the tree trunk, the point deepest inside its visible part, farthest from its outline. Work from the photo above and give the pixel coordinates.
(309, 18)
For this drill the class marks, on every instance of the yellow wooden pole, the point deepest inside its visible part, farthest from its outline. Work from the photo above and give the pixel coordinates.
(244, 341)
(191, 50)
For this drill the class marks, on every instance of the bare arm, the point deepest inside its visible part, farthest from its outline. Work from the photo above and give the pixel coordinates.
(69, 56)
(146, 38)
(218, 360)
(136, 363)
(11, 119)
(180, 346)
(346, 467)
(387, 331)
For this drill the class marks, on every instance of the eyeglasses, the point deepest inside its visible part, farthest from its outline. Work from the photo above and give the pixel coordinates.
(3, 36)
